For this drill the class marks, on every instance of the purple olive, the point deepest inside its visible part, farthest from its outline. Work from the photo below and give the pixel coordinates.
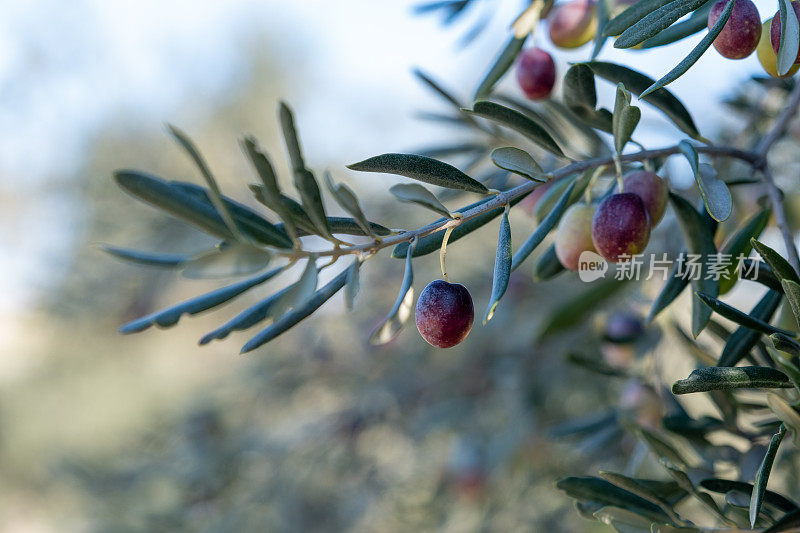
(444, 313)
(623, 327)
(651, 189)
(775, 29)
(536, 73)
(621, 226)
(739, 37)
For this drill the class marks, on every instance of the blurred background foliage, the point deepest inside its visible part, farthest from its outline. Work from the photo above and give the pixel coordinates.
(317, 431)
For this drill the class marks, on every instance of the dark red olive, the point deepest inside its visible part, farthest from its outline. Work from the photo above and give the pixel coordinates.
(739, 37)
(621, 226)
(444, 313)
(651, 189)
(623, 327)
(536, 73)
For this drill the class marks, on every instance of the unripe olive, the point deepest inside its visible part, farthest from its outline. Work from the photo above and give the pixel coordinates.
(767, 56)
(621, 226)
(574, 234)
(536, 73)
(573, 23)
(653, 191)
(739, 37)
(775, 29)
(444, 313)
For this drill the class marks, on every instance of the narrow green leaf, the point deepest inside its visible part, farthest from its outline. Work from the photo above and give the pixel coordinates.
(739, 246)
(399, 314)
(762, 477)
(500, 67)
(792, 291)
(146, 258)
(602, 9)
(785, 344)
(790, 37)
(760, 272)
(787, 414)
(665, 452)
(519, 162)
(580, 97)
(548, 266)
(348, 201)
(417, 194)
(672, 289)
(427, 80)
(169, 317)
(716, 196)
(216, 194)
(604, 493)
(744, 339)
(183, 205)
(272, 196)
(722, 486)
(778, 264)
(293, 317)
(626, 118)
(433, 242)
(697, 22)
(290, 138)
(518, 122)
(696, 52)
(247, 318)
(229, 261)
(635, 486)
(249, 222)
(553, 194)
(661, 99)
(502, 267)
(656, 21)
(725, 378)
(353, 284)
(299, 292)
(741, 318)
(543, 229)
(632, 15)
(789, 522)
(700, 241)
(575, 310)
(422, 169)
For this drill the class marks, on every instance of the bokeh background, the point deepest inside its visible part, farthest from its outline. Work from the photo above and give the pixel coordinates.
(317, 431)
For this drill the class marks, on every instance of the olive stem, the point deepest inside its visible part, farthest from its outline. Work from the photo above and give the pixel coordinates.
(443, 251)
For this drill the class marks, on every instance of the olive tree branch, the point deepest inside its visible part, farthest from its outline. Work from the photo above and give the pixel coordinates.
(503, 198)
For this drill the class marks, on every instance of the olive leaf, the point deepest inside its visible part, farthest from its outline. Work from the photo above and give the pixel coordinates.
(739, 245)
(543, 229)
(170, 316)
(788, 522)
(427, 80)
(502, 267)
(626, 118)
(698, 21)
(662, 99)
(519, 162)
(553, 194)
(762, 477)
(518, 122)
(716, 196)
(602, 9)
(573, 311)
(786, 413)
(146, 258)
(300, 312)
(216, 194)
(422, 169)
(227, 261)
(654, 22)
(500, 66)
(604, 493)
(417, 194)
(299, 292)
(271, 196)
(401, 311)
(700, 242)
(673, 288)
(741, 318)
(182, 204)
(580, 97)
(635, 486)
(723, 486)
(304, 181)
(724, 378)
(353, 284)
(250, 223)
(779, 266)
(790, 37)
(247, 318)
(695, 54)
(348, 201)
(632, 15)
(744, 338)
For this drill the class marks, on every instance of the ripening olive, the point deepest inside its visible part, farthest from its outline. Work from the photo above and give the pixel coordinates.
(739, 37)
(573, 23)
(444, 313)
(574, 235)
(767, 56)
(536, 73)
(653, 191)
(621, 226)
